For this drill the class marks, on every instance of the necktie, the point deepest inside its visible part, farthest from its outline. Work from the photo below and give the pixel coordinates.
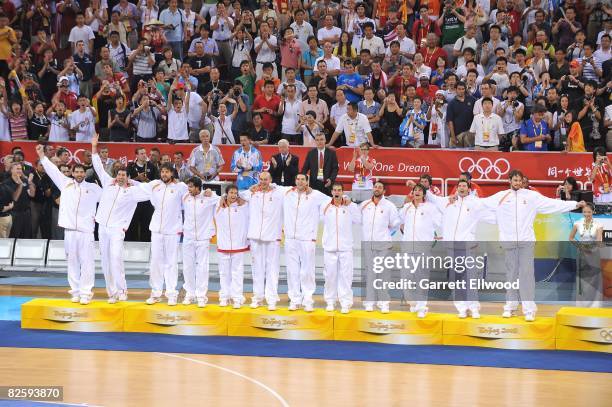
(320, 160)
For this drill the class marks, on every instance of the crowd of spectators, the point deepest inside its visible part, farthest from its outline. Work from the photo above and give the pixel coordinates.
(485, 74)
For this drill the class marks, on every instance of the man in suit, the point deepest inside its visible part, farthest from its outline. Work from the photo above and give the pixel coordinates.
(284, 166)
(321, 166)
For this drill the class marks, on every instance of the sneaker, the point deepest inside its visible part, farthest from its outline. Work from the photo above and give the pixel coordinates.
(152, 300)
(369, 308)
(272, 306)
(292, 306)
(172, 301)
(475, 314)
(75, 299)
(507, 314)
(122, 297)
(84, 300)
(384, 309)
(308, 308)
(344, 310)
(330, 307)
(238, 304)
(112, 300)
(254, 304)
(530, 316)
(201, 302)
(462, 314)
(422, 314)
(223, 303)
(413, 308)
(188, 300)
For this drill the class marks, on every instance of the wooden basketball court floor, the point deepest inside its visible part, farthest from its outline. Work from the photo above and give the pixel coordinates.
(116, 378)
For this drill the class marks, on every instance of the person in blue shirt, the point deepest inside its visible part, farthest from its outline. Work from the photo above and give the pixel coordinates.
(534, 133)
(351, 82)
(247, 163)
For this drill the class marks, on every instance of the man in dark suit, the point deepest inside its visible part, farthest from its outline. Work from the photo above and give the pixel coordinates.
(321, 166)
(284, 166)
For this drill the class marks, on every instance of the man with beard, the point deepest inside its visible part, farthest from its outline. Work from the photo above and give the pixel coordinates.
(76, 215)
(142, 170)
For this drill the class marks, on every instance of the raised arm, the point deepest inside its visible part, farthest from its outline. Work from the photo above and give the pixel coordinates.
(97, 162)
(59, 179)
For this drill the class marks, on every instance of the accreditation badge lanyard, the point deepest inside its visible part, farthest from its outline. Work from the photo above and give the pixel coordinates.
(604, 178)
(245, 159)
(321, 161)
(486, 128)
(538, 144)
(207, 162)
(352, 128)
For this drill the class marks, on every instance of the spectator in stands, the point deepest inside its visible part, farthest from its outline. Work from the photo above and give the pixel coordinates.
(247, 163)
(459, 117)
(206, 160)
(284, 166)
(534, 133)
(22, 190)
(564, 191)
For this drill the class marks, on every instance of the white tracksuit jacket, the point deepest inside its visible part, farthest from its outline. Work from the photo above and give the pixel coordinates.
(459, 219)
(166, 199)
(378, 220)
(265, 213)
(301, 214)
(78, 200)
(232, 226)
(420, 223)
(198, 214)
(338, 226)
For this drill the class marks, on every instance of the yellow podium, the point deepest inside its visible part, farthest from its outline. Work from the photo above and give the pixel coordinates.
(401, 328)
(176, 320)
(588, 329)
(501, 333)
(98, 316)
(281, 324)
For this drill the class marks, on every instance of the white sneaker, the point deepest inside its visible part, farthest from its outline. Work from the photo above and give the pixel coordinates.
(272, 306)
(254, 304)
(422, 314)
(475, 314)
(329, 308)
(308, 308)
(237, 305)
(223, 303)
(172, 301)
(384, 309)
(292, 306)
(462, 314)
(84, 300)
(201, 302)
(152, 300)
(530, 317)
(122, 297)
(188, 300)
(75, 299)
(344, 310)
(413, 308)
(369, 308)
(112, 300)
(507, 314)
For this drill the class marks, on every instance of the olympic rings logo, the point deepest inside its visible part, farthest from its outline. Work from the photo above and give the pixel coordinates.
(606, 334)
(484, 166)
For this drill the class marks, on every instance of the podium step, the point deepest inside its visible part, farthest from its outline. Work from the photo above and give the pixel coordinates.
(588, 329)
(98, 316)
(281, 324)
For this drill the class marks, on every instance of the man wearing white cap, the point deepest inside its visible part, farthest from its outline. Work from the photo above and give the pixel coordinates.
(166, 226)
(198, 229)
(301, 206)
(120, 196)
(436, 114)
(76, 215)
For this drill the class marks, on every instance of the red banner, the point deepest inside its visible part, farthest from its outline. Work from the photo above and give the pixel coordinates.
(393, 165)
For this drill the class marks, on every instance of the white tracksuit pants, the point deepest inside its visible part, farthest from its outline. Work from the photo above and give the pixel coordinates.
(111, 257)
(231, 276)
(300, 262)
(465, 299)
(338, 278)
(416, 296)
(519, 265)
(265, 268)
(195, 267)
(164, 267)
(373, 296)
(79, 247)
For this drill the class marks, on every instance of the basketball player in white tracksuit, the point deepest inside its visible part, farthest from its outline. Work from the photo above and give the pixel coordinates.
(460, 216)
(516, 210)
(198, 229)
(265, 230)
(379, 219)
(420, 219)
(232, 220)
(301, 208)
(76, 215)
(118, 202)
(338, 219)
(166, 226)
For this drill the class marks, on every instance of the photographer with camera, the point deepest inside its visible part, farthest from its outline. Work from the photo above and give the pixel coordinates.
(214, 90)
(145, 118)
(223, 122)
(173, 20)
(22, 190)
(436, 115)
(451, 25)
(511, 112)
(564, 191)
(178, 110)
(240, 122)
(591, 67)
(601, 177)
(590, 116)
(142, 61)
(573, 85)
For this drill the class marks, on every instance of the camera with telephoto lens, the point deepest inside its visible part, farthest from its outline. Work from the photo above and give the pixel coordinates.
(515, 104)
(237, 92)
(216, 98)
